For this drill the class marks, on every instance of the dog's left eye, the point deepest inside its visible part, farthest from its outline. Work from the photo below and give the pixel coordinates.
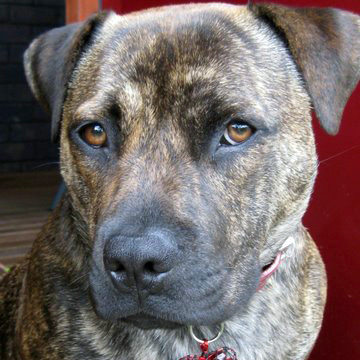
(94, 135)
(237, 132)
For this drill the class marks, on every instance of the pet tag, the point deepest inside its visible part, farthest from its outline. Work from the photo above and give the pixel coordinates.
(222, 353)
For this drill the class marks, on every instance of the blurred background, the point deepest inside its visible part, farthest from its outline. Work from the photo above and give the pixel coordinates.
(30, 180)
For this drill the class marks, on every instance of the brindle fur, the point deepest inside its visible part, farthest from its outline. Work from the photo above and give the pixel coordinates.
(165, 82)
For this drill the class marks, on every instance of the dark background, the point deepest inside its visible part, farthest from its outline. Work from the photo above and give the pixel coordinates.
(24, 127)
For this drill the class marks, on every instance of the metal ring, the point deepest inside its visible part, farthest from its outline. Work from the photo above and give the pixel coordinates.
(222, 326)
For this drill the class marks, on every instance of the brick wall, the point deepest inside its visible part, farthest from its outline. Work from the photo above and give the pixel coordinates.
(24, 127)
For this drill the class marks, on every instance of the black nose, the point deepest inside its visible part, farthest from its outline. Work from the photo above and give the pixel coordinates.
(141, 262)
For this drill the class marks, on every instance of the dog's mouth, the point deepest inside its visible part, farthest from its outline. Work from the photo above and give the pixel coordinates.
(192, 292)
(147, 322)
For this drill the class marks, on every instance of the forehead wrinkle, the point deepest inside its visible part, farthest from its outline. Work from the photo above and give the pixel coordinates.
(199, 32)
(185, 34)
(93, 107)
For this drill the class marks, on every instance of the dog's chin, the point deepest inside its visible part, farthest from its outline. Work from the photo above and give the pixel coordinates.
(147, 318)
(148, 322)
(166, 311)
(144, 320)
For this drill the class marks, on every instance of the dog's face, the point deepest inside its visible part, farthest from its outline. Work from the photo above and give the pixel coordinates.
(168, 186)
(187, 149)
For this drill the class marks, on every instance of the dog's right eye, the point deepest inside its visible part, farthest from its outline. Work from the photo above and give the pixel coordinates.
(94, 135)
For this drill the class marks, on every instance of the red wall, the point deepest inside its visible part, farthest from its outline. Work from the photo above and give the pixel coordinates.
(333, 217)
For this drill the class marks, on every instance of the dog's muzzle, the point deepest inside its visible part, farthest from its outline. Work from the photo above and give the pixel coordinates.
(166, 275)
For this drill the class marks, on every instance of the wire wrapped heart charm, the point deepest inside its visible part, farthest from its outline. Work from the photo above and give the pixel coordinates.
(222, 353)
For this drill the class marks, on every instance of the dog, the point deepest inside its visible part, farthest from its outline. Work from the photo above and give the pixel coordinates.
(188, 154)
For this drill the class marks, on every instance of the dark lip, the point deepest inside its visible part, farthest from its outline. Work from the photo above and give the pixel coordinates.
(147, 322)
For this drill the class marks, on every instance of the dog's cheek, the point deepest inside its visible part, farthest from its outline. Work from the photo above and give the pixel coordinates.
(267, 187)
(295, 168)
(83, 180)
(243, 184)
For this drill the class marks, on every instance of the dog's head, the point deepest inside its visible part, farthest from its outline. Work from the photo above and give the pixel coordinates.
(187, 146)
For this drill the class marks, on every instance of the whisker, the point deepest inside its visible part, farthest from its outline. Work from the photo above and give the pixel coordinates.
(340, 153)
(46, 164)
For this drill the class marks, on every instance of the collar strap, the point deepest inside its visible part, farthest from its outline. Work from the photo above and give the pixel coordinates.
(270, 269)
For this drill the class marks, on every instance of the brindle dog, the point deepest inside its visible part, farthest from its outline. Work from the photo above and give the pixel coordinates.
(188, 154)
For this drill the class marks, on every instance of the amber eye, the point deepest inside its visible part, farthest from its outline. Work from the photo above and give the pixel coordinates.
(237, 132)
(94, 135)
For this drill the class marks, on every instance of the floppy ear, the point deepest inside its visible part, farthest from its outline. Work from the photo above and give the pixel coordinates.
(50, 60)
(325, 44)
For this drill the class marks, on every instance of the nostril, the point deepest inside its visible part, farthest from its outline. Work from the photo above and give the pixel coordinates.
(120, 268)
(155, 267)
(150, 267)
(115, 266)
